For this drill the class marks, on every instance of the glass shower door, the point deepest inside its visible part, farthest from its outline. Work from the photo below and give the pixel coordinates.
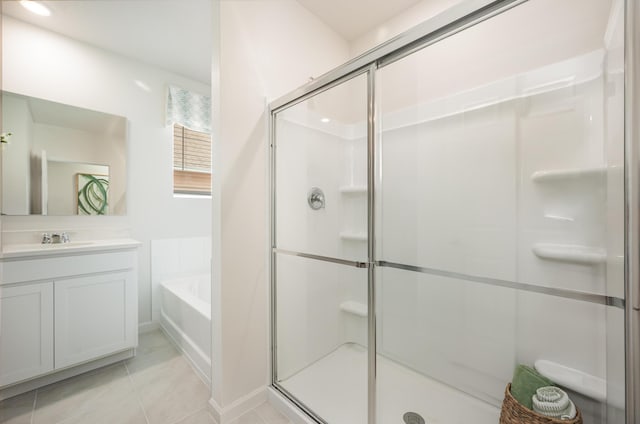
(500, 211)
(319, 259)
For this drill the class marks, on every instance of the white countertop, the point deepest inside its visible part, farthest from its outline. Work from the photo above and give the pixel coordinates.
(79, 246)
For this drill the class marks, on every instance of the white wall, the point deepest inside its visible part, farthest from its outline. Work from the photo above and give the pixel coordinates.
(403, 21)
(16, 119)
(64, 70)
(268, 48)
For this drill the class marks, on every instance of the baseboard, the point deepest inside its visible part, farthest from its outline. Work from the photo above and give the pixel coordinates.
(239, 407)
(286, 408)
(191, 352)
(215, 410)
(59, 375)
(146, 327)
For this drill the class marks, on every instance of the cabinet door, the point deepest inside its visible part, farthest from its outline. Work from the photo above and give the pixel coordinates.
(94, 316)
(26, 331)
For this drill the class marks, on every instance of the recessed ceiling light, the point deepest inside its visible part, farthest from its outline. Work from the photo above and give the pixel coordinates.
(35, 7)
(325, 120)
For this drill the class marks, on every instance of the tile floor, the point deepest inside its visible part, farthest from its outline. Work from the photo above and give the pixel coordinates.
(156, 387)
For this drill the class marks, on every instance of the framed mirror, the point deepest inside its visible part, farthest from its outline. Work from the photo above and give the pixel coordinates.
(61, 159)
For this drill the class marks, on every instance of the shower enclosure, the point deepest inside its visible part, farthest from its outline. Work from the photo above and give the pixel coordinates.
(453, 203)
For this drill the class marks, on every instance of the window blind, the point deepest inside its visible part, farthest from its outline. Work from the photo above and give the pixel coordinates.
(191, 161)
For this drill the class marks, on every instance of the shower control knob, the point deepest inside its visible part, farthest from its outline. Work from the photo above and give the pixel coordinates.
(413, 418)
(315, 198)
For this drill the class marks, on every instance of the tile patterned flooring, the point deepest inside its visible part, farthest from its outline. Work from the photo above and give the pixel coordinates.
(156, 387)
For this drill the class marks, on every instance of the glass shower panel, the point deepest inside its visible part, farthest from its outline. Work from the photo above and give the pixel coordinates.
(320, 293)
(321, 148)
(500, 204)
(321, 337)
(447, 347)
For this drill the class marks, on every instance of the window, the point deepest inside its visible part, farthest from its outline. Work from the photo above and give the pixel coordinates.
(191, 161)
(190, 114)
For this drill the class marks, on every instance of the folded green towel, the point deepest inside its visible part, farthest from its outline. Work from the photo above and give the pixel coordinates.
(525, 382)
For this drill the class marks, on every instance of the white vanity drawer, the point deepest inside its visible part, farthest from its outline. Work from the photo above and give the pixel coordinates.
(17, 270)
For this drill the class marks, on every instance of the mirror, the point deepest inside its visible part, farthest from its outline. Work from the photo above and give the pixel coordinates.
(61, 159)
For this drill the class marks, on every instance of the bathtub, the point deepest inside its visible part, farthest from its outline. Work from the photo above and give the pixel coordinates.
(185, 316)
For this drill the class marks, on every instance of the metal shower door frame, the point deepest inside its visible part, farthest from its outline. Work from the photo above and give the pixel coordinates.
(632, 209)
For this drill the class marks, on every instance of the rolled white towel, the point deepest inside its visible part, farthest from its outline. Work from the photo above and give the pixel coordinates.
(553, 402)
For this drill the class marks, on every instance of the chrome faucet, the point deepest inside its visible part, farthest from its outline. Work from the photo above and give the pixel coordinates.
(55, 238)
(62, 237)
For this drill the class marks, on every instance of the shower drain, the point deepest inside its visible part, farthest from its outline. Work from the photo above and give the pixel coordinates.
(413, 418)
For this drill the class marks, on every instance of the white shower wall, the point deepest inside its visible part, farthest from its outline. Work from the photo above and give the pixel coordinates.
(310, 293)
(319, 158)
(457, 194)
(460, 194)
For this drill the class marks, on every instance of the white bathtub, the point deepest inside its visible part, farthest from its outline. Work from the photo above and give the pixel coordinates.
(186, 317)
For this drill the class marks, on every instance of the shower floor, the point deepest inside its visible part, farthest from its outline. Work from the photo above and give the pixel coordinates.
(335, 387)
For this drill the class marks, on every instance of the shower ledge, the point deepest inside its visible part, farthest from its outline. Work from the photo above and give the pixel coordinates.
(564, 174)
(355, 308)
(576, 380)
(570, 253)
(353, 189)
(353, 236)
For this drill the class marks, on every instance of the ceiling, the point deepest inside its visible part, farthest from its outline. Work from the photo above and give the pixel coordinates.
(176, 34)
(62, 115)
(353, 18)
(172, 34)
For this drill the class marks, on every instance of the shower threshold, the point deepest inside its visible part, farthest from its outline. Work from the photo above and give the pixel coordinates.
(335, 388)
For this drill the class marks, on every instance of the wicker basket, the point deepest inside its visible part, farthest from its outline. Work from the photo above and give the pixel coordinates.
(514, 413)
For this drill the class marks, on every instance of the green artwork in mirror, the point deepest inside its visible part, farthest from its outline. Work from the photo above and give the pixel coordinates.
(93, 194)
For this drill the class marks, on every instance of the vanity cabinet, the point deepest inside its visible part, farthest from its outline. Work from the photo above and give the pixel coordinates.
(93, 316)
(63, 308)
(26, 331)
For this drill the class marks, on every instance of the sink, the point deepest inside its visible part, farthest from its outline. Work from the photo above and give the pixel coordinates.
(38, 249)
(50, 246)
(68, 244)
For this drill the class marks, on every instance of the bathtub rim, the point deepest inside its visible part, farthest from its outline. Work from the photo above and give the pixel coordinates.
(173, 285)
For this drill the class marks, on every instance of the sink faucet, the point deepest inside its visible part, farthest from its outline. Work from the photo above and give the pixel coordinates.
(55, 238)
(62, 237)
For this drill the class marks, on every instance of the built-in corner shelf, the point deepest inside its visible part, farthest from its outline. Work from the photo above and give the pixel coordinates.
(355, 308)
(353, 189)
(576, 380)
(353, 236)
(564, 174)
(570, 253)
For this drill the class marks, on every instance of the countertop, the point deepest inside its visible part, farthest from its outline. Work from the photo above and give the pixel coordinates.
(80, 246)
